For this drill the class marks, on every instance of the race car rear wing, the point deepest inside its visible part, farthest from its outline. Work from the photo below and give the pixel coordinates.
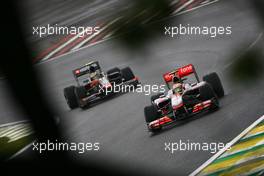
(180, 73)
(81, 71)
(85, 69)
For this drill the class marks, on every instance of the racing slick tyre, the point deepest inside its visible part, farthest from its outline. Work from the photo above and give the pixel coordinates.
(80, 92)
(69, 94)
(151, 114)
(127, 74)
(112, 70)
(207, 93)
(214, 80)
(154, 97)
(114, 75)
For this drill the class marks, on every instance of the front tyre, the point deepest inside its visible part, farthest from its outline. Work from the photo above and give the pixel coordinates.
(69, 94)
(151, 114)
(80, 93)
(207, 93)
(214, 80)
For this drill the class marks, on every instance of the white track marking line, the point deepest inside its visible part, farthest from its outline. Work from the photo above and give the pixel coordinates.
(260, 168)
(183, 6)
(64, 45)
(214, 157)
(21, 136)
(246, 50)
(251, 135)
(195, 8)
(256, 41)
(13, 130)
(13, 123)
(150, 18)
(174, 2)
(10, 129)
(236, 164)
(95, 34)
(138, 15)
(87, 46)
(24, 130)
(205, 2)
(74, 51)
(110, 34)
(19, 132)
(16, 130)
(242, 150)
(21, 151)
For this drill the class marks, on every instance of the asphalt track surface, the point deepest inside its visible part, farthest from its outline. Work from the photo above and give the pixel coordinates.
(118, 123)
(37, 13)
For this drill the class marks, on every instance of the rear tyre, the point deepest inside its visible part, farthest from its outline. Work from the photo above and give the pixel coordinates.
(214, 80)
(117, 79)
(127, 74)
(69, 94)
(151, 113)
(113, 70)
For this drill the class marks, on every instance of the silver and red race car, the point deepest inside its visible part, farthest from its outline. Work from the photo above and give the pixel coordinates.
(185, 98)
(93, 84)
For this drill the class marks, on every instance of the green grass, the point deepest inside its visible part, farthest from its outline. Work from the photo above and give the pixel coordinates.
(7, 149)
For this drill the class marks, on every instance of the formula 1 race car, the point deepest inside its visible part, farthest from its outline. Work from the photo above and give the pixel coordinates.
(184, 99)
(93, 84)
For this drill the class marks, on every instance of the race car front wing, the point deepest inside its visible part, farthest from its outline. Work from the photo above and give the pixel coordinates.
(169, 118)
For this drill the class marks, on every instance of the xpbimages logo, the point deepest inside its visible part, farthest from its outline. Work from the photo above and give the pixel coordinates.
(181, 145)
(140, 88)
(79, 147)
(212, 31)
(81, 31)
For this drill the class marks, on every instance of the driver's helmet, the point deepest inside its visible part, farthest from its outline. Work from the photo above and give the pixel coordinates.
(177, 88)
(176, 79)
(93, 73)
(93, 76)
(92, 69)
